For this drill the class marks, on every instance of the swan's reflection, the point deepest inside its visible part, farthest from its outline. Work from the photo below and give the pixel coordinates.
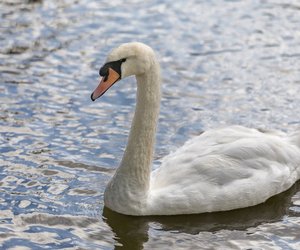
(132, 232)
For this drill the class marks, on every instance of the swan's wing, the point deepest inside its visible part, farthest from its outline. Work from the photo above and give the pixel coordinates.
(225, 169)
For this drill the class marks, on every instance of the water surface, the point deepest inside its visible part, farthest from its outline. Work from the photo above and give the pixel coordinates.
(223, 63)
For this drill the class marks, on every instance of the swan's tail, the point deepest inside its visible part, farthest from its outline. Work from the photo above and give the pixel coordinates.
(295, 137)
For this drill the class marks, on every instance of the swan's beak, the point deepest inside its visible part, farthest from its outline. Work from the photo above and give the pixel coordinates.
(105, 83)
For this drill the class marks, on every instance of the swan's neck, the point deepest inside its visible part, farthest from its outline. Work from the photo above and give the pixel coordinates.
(131, 181)
(138, 155)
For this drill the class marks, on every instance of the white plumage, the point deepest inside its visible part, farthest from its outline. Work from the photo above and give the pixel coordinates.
(219, 170)
(225, 169)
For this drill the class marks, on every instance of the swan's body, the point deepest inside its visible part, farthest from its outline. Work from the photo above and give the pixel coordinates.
(219, 170)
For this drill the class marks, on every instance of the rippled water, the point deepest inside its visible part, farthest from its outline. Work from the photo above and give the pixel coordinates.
(224, 62)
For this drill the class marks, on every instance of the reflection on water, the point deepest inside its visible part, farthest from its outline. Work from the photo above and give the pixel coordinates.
(132, 232)
(224, 62)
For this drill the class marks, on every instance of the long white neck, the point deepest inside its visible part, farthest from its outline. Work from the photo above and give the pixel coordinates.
(138, 155)
(128, 189)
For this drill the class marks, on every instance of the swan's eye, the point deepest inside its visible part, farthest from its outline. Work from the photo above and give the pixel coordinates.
(115, 65)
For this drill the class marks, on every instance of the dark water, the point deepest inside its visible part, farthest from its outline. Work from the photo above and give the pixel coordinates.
(224, 62)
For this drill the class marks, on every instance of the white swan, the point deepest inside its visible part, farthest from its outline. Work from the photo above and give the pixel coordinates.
(219, 170)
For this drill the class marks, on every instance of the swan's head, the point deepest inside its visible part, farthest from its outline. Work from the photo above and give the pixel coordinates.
(126, 60)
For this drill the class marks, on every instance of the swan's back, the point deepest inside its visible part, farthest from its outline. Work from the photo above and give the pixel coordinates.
(225, 169)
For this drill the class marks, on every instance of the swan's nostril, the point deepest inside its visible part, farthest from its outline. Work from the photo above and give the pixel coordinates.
(105, 78)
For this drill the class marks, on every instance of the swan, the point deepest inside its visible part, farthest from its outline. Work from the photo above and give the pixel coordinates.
(222, 169)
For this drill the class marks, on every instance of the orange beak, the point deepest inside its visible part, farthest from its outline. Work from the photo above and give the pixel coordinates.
(105, 84)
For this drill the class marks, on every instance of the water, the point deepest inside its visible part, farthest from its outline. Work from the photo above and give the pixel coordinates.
(224, 62)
